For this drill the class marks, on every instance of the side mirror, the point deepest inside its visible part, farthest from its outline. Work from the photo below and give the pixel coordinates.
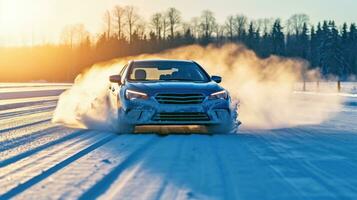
(115, 79)
(216, 79)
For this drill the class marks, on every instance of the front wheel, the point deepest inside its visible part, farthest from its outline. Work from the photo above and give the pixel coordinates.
(227, 128)
(125, 128)
(122, 126)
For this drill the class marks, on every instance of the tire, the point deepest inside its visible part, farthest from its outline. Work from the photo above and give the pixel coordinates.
(125, 128)
(217, 129)
(227, 128)
(122, 126)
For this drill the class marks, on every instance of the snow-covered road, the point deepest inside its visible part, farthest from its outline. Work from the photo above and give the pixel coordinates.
(40, 160)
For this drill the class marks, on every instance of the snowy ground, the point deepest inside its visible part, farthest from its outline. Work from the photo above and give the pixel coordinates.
(40, 160)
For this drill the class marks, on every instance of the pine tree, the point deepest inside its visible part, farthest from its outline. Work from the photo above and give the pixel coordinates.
(188, 37)
(265, 45)
(352, 41)
(278, 38)
(251, 36)
(304, 42)
(257, 40)
(313, 48)
(332, 58)
(291, 49)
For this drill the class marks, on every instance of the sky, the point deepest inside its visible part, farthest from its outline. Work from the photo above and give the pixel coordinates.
(26, 22)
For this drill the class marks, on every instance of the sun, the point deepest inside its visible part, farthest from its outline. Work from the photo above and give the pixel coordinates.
(15, 14)
(20, 18)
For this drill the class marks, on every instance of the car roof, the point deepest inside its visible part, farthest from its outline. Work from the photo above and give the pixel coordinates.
(161, 60)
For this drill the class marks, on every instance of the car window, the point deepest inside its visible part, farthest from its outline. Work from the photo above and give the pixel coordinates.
(167, 71)
(123, 70)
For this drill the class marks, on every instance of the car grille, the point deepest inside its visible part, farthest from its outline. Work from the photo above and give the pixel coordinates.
(179, 98)
(181, 116)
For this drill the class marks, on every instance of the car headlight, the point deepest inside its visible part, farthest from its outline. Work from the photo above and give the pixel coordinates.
(219, 95)
(131, 94)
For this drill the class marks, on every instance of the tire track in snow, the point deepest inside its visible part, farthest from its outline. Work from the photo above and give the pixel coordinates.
(11, 142)
(37, 149)
(32, 165)
(24, 112)
(334, 154)
(33, 144)
(18, 112)
(58, 166)
(104, 184)
(249, 170)
(178, 153)
(17, 107)
(22, 127)
(194, 174)
(325, 144)
(299, 166)
(228, 190)
(25, 125)
(31, 138)
(15, 173)
(83, 174)
(24, 122)
(16, 104)
(141, 173)
(31, 93)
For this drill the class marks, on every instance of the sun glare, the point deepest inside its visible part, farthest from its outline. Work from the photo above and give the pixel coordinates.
(15, 14)
(20, 18)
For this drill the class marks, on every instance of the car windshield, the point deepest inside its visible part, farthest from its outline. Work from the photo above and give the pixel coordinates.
(167, 71)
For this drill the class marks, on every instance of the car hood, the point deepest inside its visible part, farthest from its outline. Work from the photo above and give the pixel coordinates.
(153, 88)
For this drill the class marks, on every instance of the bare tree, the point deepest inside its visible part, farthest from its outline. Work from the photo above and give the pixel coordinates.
(266, 24)
(186, 27)
(258, 24)
(165, 25)
(108, 23)
(174, 18)
(73, 35)
(140, 29)
(195, 26)
(208, 23)
(157, 23)
(118, 14)
(82, 33)
(296, 23)
(240, 24)
(131, 20)
(230, 26)
(67, 35)
(219, 31)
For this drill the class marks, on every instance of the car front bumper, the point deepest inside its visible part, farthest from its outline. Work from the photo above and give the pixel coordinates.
(150, 112)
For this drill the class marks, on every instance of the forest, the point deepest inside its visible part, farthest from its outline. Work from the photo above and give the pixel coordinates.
(327, 46)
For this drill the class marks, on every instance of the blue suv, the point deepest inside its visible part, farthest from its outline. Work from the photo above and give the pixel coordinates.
(170, 92)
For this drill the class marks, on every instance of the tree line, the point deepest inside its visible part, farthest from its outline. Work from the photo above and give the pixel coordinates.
(325, 45)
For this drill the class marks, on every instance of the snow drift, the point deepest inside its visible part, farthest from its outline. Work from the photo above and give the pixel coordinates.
(264, 89)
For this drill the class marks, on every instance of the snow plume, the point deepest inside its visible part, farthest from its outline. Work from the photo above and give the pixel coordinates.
(263, 87)
(85, 104)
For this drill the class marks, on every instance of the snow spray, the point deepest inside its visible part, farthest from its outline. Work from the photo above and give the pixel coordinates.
(263, 87)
